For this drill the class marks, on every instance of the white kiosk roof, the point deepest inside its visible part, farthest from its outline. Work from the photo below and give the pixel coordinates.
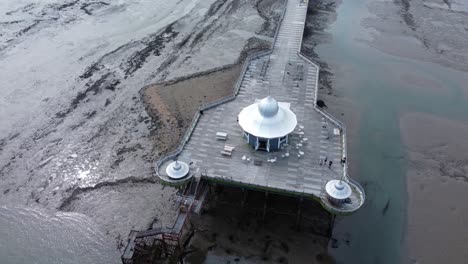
(338, 189)
(267, 118)
(177, 170)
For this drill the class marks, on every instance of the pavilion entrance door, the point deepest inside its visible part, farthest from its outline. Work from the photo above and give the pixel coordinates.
(263, 144)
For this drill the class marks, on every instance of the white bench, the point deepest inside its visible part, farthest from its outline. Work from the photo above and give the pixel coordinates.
(336, 132)
(228, 148)
(221, 135)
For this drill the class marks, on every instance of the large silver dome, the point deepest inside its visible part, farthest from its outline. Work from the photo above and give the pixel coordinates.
(268, 107)
(268, 118)
(177, 170)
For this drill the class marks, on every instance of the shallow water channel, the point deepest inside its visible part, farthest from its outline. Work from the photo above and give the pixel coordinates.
(372, 81)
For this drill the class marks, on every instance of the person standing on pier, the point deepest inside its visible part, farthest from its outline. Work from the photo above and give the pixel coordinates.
(343, 161)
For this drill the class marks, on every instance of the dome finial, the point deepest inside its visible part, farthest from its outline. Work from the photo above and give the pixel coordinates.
(268, 107)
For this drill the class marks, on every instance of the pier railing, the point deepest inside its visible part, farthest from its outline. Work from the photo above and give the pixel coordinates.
(328, 116)
(338, 123)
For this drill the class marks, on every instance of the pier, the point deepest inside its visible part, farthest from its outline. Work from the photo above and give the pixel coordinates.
(297, 170)
(215, 149)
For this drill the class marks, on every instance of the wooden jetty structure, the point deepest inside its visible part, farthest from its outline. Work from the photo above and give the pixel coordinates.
(162, 243)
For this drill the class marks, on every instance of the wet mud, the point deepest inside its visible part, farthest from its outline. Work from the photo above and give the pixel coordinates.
(41, 17)
(90, 8)
(107, 200)
(436, 181)
(439, 26)
(320, 15)
(95, 135)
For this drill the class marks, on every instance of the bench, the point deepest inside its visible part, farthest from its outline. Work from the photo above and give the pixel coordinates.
(228, 148)
(226, 153)
(221, 135)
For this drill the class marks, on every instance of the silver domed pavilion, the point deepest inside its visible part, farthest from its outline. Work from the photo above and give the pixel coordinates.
(267, 124)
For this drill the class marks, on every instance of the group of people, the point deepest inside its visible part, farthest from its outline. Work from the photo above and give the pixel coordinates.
(330, 162)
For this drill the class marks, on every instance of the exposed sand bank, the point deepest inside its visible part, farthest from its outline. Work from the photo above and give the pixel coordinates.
(437, 183)
(173, 104)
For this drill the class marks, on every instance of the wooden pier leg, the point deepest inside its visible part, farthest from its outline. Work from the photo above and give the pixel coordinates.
(299, 213)
(164, 245)
(244, 197)
(265, 206)
(215, 187)
(332, 224)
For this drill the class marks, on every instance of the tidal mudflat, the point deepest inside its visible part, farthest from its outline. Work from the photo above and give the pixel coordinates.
(396, 73)
(74, 127)
(437, 181)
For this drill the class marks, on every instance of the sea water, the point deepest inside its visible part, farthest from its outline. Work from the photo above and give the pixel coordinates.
(29, 235)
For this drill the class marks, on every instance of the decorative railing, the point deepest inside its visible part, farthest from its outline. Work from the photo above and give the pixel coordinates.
(337, 122)
(358, 186)
(331, 118)
(328, 116)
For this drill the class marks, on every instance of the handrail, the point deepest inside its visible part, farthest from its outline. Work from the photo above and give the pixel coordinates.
(327, 115)
(322, 112)
(338, 123)
(358, 186)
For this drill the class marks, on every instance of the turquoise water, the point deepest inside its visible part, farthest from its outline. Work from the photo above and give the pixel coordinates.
(371, 80)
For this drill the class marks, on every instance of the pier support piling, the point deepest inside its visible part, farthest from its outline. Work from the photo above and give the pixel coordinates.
(332, 224)
(244, 197)
(265, 204)
(299, 212)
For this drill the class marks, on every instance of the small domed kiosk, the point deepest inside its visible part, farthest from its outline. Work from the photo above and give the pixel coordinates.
(177, 170)
(267, 124)
(337, 191)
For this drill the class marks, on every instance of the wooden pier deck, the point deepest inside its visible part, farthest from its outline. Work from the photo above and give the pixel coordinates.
(296, 170)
